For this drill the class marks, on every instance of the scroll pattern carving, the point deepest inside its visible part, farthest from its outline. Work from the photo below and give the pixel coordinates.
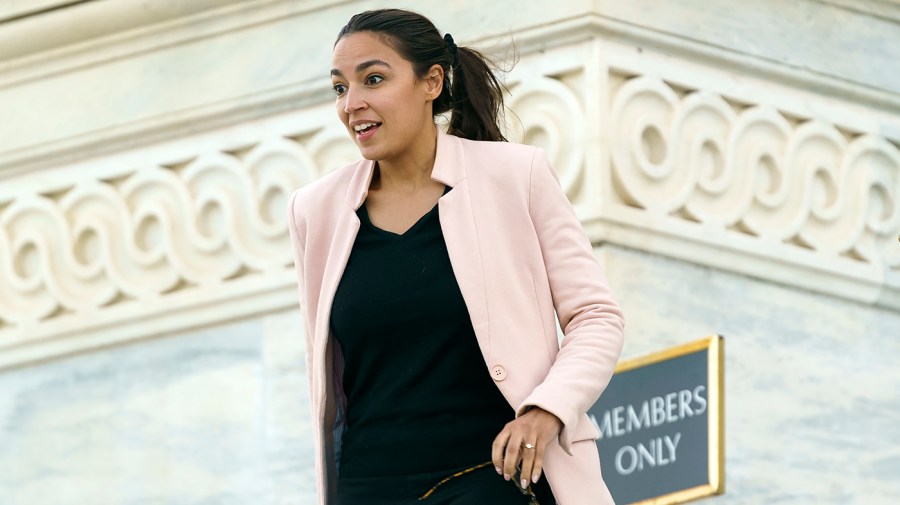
(154, 231)
(754, 171)
(674, 156)
(547, 114)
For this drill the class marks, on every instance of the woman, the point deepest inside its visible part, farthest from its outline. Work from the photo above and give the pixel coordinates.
(429, 273)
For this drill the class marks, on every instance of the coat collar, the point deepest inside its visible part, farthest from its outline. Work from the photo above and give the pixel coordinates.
(449, 168)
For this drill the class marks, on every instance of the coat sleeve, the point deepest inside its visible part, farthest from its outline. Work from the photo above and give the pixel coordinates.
(589, 316)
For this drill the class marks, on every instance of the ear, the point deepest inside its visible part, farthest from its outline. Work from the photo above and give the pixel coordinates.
(434, 81)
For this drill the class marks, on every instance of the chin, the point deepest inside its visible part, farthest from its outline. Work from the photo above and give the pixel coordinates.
(370, 153)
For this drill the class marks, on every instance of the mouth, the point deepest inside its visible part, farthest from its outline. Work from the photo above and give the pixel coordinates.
(365, 130)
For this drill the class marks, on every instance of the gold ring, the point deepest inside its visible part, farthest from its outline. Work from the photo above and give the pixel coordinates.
(528, 446)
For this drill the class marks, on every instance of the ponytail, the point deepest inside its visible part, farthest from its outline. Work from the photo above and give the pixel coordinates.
(471, 93)
(477, 98)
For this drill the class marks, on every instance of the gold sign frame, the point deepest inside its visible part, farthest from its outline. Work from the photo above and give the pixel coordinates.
(715, 347)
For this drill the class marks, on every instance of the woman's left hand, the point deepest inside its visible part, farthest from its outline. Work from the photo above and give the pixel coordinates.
(536, 427)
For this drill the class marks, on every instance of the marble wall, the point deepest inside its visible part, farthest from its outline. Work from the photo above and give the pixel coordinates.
(220, 416)
(737, 165)
(811, 402)
(217, 416)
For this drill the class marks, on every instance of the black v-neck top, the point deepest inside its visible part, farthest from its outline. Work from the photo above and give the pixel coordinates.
(419, 394)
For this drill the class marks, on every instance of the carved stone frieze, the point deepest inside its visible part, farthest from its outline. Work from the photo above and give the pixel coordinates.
(196, 234)
(198, 229)
(751, 170)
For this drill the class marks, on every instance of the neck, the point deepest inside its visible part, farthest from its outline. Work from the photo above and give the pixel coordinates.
(412, 169)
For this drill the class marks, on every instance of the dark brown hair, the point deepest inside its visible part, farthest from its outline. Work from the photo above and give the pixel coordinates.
(473, 96)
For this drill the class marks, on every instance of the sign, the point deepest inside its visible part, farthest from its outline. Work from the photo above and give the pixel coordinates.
(661, 425)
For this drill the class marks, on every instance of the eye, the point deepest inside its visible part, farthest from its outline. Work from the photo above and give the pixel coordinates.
(339, 89)
(374, 79)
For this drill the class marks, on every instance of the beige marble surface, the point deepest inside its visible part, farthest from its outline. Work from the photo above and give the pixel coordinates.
(214, 416)
(221, 415)
(811, 382)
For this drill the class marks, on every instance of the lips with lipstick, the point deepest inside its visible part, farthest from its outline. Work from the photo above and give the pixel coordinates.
(366, 130)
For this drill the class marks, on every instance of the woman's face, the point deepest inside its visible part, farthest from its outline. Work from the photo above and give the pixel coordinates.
(385, 107)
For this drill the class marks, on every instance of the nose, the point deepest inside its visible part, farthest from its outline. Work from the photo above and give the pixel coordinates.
(353, 101)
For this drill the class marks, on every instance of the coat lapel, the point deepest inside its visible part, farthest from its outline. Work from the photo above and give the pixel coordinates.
(346, 228)
(339, 254)
(460, 234)
(457, 223)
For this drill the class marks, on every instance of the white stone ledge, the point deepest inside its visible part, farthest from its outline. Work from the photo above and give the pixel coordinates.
(732, 252)
(40, 148)
(19, 165)
(886, 9)
(11, 10)
(807, 36)
(179, 312)
(65, 25)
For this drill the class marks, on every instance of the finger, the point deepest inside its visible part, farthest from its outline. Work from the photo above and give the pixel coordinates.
(512, 454)
(538, 466)
(527, 463)
(498, 449)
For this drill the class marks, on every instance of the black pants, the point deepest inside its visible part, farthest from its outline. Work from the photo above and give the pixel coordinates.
(479, 487)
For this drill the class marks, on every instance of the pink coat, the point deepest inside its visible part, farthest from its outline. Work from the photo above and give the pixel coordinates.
(519, 253)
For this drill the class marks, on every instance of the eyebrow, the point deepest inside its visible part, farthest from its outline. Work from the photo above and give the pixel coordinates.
(362, 66)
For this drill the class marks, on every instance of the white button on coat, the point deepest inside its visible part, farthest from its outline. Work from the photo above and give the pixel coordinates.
(498, 372)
